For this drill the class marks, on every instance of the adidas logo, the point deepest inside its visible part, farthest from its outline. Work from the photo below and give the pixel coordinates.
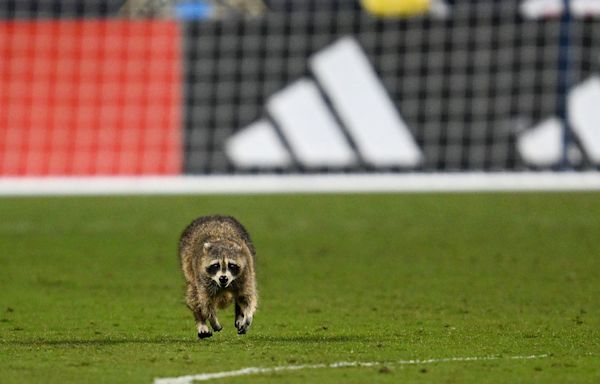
(542, 145)
(535, 9)
(359, 125)
(343, 118)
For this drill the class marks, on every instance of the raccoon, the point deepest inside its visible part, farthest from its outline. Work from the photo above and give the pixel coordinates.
(217, 260)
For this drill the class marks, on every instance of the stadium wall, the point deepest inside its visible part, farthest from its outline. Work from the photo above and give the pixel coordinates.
(90, 97)
(309, 94)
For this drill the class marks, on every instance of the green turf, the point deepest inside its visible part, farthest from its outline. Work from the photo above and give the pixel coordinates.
(90, 289)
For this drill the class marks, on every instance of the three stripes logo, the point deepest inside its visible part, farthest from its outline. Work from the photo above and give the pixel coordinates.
(360, 124)
(343, 118)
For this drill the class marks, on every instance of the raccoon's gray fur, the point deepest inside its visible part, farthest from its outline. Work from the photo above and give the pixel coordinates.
(217, 260)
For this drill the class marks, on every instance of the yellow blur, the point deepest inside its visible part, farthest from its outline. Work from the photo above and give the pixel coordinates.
(396, 8)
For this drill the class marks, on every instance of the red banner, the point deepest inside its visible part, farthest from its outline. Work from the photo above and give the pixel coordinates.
(91, 97)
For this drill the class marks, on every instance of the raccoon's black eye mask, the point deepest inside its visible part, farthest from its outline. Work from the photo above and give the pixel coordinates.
(213, 268)
(233, 268)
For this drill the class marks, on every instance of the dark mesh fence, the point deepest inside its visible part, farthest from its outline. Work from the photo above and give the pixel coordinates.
(467, 86)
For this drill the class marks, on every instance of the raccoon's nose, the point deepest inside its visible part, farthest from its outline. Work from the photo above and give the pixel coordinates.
(223, 280)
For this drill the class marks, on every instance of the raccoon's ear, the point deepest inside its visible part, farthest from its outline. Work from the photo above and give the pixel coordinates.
(207, 246)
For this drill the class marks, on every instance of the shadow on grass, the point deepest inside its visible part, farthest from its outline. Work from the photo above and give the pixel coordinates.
(96, 342)
(310, 339)
(260, 338)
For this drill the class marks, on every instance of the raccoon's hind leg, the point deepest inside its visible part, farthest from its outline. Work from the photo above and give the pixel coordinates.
(214, 322)
(239, 318)
(222, 301)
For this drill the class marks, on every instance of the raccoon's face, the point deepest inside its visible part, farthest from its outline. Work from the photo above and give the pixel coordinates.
(224, 262)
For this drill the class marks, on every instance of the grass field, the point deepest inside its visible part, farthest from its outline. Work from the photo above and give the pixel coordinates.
(90, 288)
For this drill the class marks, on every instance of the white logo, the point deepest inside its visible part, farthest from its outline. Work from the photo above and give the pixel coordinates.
(310, 127)
(542, 145)
(536, 9)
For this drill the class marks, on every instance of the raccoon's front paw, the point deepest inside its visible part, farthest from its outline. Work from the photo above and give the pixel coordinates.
(204, 332)
(243, 324)
(217, 327)
(204, 335)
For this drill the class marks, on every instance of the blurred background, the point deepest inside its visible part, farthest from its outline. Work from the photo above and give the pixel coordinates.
(167, 87)
(267, 96)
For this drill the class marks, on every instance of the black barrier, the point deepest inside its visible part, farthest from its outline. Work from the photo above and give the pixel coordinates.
(482, 87)
(467, 86)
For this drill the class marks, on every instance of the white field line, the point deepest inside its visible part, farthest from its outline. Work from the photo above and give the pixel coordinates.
(332, 183)
(340, 364)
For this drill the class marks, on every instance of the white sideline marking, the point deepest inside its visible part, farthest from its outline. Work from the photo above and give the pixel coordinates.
(329, 183)
(340, 364)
